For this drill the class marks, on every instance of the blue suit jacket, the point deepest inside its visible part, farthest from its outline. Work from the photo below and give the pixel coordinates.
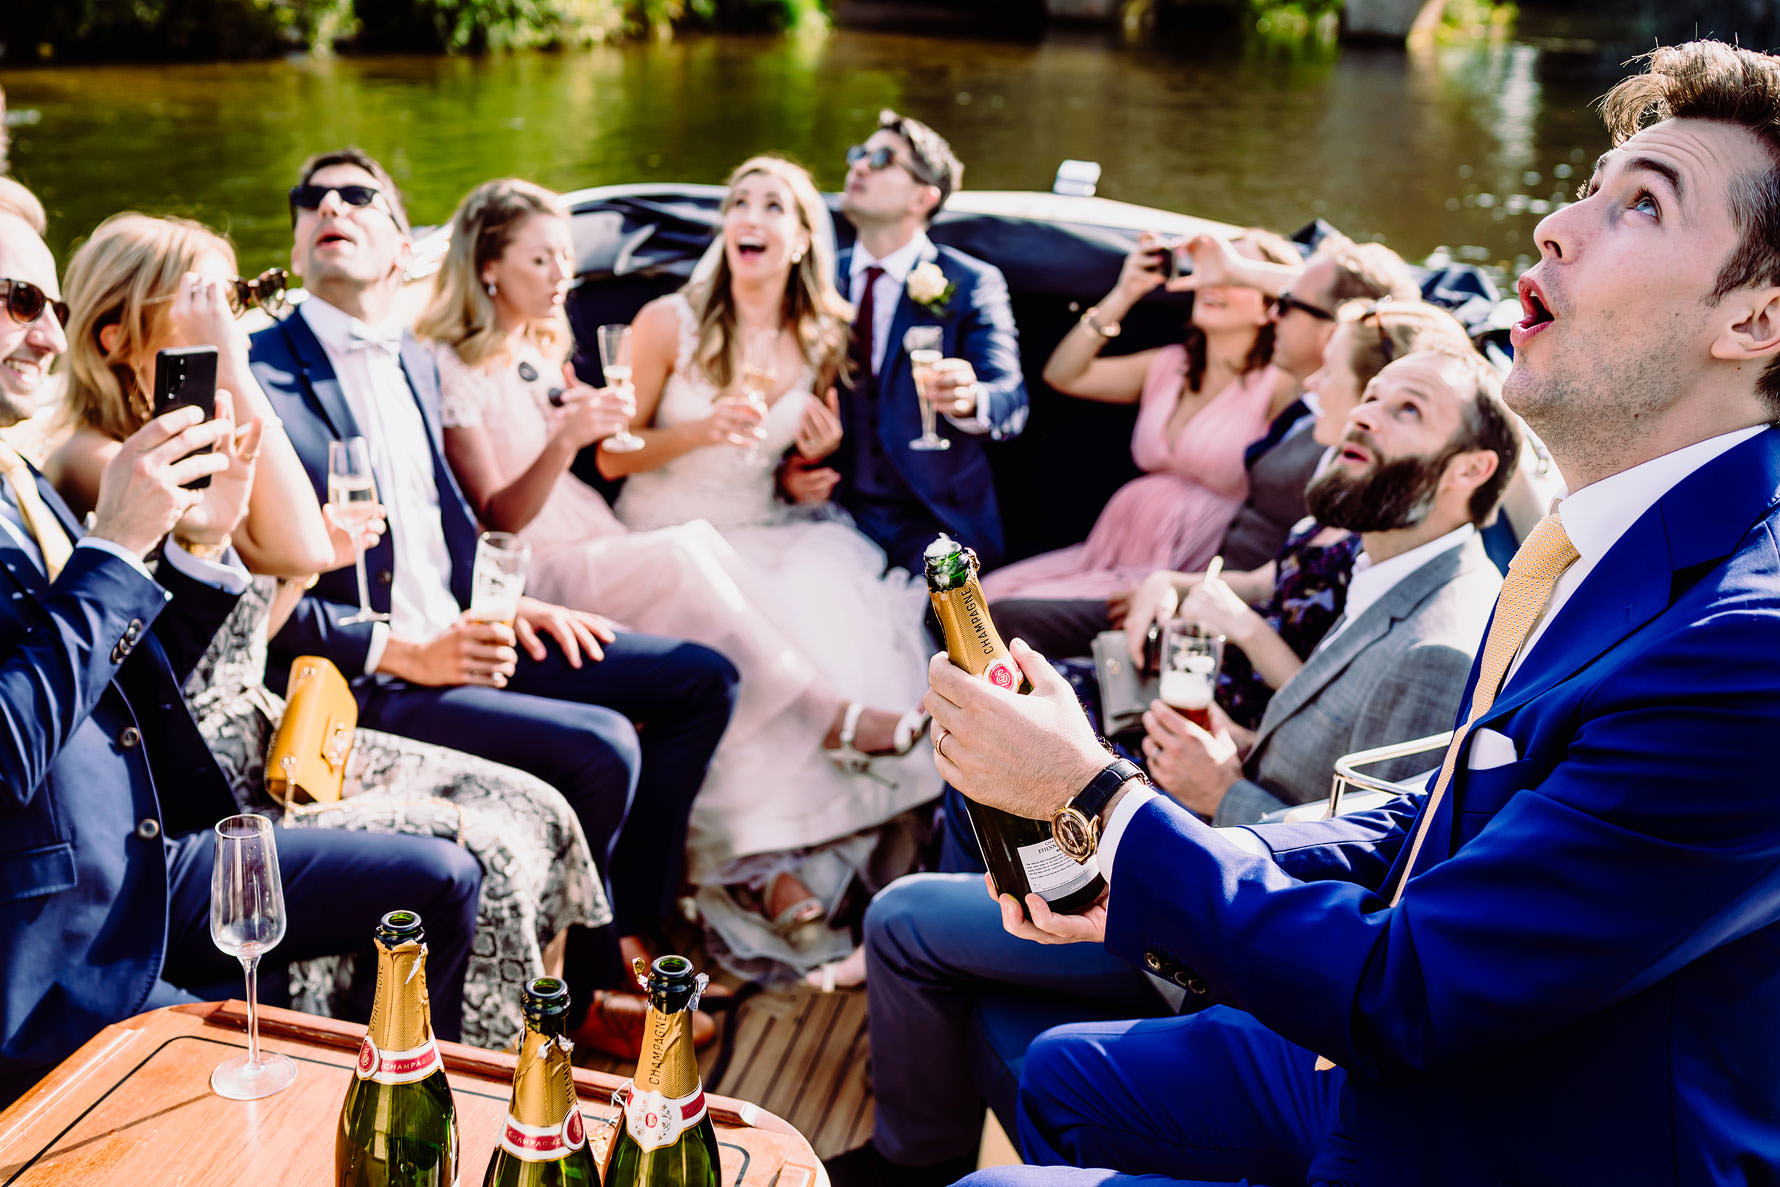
(1581, 981)
(99, 762)
(290, 364)
(978, 326)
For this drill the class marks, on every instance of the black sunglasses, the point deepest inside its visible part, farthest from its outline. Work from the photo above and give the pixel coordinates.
(1286, 303)
(25, 302)
(310, 197)
(881, 158)
(1376, 313)
(265, 290)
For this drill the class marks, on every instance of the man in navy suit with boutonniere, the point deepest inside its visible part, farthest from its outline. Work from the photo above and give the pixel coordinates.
(906, 476)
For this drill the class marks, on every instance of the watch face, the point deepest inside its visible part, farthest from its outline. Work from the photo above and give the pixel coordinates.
(1074, 834)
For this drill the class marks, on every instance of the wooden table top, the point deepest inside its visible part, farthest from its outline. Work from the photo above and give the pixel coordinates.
(133, 1108)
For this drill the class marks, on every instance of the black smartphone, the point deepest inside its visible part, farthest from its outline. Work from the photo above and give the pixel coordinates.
(1173, 260)
(185, 377)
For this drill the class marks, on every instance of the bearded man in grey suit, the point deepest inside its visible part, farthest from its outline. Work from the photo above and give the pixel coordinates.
(954, 1000)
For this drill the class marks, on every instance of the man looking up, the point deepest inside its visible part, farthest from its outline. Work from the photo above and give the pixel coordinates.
(898, 279)
(109, 792)
(563, 710)
(1558, 965)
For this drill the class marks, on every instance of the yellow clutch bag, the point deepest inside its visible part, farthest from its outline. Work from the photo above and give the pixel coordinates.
(307, 763)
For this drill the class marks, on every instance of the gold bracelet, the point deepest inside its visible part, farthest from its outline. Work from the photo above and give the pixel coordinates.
(1088, 320)
(203, 552)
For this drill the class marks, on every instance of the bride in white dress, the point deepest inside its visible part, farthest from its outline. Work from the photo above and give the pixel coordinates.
(766, 290)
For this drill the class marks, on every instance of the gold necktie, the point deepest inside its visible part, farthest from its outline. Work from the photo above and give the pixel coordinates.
(41, 521)
(1532, 575)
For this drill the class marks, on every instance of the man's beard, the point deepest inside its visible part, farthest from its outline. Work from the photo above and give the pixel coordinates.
(1390, 495)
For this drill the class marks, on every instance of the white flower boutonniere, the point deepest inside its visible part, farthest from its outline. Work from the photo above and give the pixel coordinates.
(929, 287)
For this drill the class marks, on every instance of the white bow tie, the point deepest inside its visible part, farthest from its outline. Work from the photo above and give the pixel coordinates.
(385, 338)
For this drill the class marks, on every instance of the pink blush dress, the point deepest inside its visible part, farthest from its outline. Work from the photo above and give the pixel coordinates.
(1173, 516)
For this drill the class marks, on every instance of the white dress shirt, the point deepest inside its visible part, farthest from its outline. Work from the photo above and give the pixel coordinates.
(376, 389)
(1371, 581)
(886, 295)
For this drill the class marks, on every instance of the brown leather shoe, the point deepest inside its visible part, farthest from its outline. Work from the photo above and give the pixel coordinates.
(614, 1025)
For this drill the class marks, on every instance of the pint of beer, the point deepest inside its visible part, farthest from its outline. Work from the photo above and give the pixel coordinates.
(1191, 654)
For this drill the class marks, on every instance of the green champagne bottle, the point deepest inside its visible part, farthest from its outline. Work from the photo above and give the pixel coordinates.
(544, 1142)
(398, 1127)
(1021, 855)
(666, 1139)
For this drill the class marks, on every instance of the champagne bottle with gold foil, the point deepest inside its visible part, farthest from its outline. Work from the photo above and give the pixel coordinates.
(544, 1142)
(398, 1127)
(1021, 855)
(666, 1138)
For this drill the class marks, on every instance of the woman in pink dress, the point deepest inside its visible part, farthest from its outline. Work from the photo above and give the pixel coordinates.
(1200, 403)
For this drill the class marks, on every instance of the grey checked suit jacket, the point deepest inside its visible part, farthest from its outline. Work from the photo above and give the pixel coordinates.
(1393, 674)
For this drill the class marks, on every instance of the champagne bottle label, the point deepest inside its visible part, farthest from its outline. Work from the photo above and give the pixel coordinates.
(543, 1143)
(655, 1120)
(1052, 873)
(397, 1067)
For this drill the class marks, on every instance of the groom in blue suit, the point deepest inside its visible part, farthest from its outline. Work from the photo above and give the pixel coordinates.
(897, 279)
(1561, 964)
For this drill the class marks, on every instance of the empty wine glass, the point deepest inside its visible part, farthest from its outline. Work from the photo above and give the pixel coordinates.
(247, 921)
(352, 503)
(760, 370)
(923, 344)
(614, 343)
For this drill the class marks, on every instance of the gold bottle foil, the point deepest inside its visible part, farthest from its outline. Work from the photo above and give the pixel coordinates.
(544, 1083)
(972, 642)
(669, 1065)
(401, 1019)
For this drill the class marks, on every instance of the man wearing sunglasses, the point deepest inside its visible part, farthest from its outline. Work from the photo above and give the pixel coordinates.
(109, 790)
(557, 692)
(897, 279)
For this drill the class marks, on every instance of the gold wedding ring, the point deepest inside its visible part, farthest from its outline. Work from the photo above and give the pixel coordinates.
(939, 741)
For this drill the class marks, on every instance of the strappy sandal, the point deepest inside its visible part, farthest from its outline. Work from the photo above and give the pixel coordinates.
(909, 728)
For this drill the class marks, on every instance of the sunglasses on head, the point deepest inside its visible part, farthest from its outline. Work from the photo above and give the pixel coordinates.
(1285, 303)
(25, 302)
(265, 291)
(1376, 314)
(310, 197)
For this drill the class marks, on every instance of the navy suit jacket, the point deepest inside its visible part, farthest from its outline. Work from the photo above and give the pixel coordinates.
(99, 761)
(1580, 984)
(978, 326)
(290, 364)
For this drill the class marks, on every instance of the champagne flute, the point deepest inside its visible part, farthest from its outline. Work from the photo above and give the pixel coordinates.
(923, 346)
(352, 503)
(760, 369)
(614, 343)
(498, 579)
(247, 921)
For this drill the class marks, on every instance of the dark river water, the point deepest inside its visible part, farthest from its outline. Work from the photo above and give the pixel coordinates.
(1461, 148)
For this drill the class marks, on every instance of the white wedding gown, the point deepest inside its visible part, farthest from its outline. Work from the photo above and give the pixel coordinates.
(818, 581)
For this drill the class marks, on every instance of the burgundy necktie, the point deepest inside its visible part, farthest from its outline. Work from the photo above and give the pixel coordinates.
(862, 328)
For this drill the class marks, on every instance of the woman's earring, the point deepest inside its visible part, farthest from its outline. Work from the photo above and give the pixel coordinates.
(490, 287)
(798, 258)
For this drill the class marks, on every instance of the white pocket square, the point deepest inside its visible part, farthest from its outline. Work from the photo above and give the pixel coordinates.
(1490, 749)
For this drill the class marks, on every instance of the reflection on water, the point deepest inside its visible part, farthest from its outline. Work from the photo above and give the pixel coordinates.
(1455, 147)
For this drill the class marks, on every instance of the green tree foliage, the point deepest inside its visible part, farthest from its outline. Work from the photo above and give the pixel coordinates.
(197, 29)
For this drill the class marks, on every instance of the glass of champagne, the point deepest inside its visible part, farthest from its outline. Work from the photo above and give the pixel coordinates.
(614, 343)
(760, 369)
(498, 578)
(352, 503)
(1191, 654)
(247, 921)
(923, 346)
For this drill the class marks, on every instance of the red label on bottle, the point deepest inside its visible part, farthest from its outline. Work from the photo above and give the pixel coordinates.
(656, 1121)
(397, 1067)
(1001, 674)
(534, 1143)
(574, 1132)
(367, 1057)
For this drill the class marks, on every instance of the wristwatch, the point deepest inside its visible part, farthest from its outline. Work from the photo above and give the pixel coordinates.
(1076, 825)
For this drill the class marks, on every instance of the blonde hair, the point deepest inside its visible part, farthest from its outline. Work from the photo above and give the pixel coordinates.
(16, 199)
(813, 307)
(125, 275)
(1397, 328)
(460, 313)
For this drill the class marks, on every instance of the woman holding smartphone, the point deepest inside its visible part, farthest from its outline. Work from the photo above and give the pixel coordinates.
(140, 285)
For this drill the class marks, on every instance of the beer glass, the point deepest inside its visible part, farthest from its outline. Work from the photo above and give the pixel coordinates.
(923, 346)
(247, 921)
(498, 578)
(352, 503)
(1191, 653)
(614, 343)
